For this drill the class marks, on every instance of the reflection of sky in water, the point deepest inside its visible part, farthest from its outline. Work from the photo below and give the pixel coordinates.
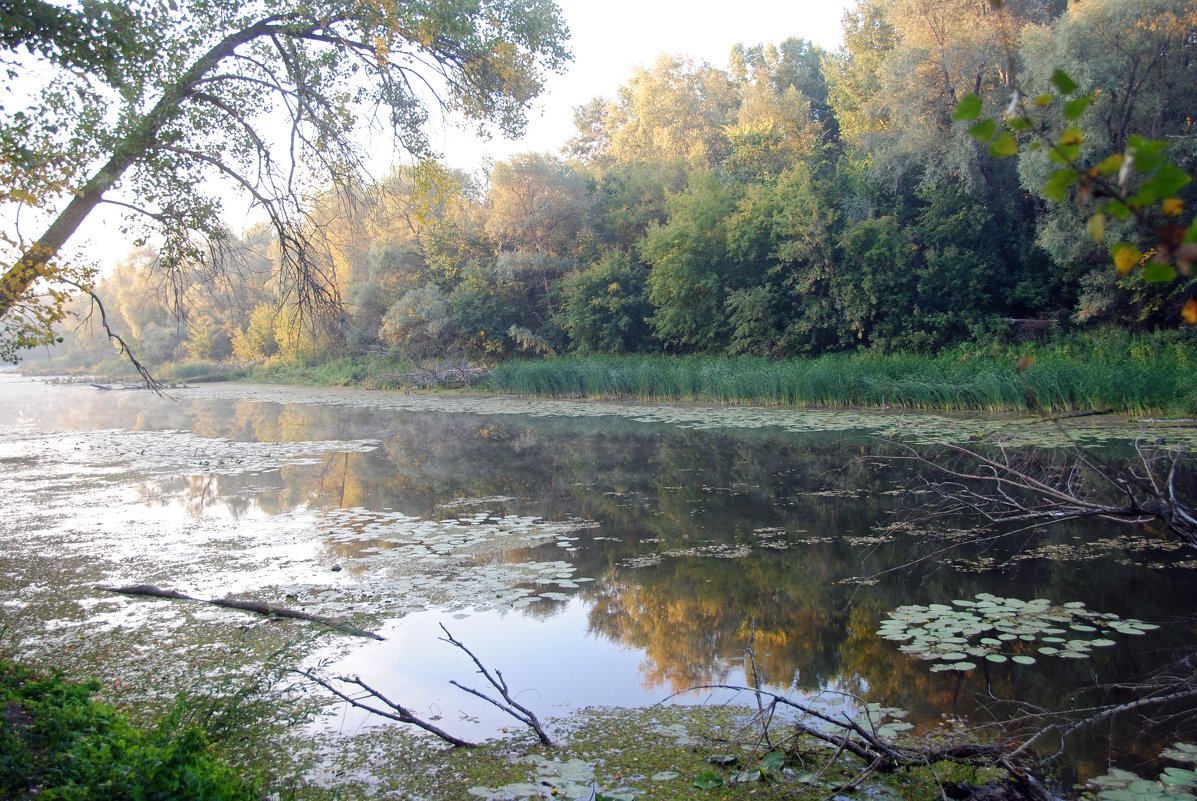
(596, 554)
(551, 666)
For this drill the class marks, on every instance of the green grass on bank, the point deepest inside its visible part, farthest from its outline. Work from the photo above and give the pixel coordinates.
(1134, 374)
(346, 371)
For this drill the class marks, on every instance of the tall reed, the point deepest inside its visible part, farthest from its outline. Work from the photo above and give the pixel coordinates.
(1135, 374)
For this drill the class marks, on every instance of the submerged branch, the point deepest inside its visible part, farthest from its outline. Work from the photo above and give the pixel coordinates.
(257, 607)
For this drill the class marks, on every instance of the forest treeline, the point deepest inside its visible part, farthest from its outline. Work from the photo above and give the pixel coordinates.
(795, 202)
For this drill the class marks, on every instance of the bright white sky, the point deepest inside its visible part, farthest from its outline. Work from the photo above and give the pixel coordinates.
(609, 38)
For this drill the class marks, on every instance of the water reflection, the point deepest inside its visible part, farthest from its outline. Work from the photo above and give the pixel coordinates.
(671, 550)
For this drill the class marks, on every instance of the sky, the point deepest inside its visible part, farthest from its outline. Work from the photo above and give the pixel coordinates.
(610, 38)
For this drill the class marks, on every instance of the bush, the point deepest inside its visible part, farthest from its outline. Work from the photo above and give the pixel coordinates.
(58, 744)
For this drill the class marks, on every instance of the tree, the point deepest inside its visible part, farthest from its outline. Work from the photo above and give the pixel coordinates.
(905, 66)
(605, 307)
(201, 89)
(690, 265)
(538, 207)
(1135, 195)
(674, 111)
(1135, 62)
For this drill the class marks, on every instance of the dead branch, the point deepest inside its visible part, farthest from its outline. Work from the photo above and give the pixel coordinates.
(257, 607)
(999, 491)
(389, 709)
(368, 699)
(881, 755)
(496, 680)
(122, 346)
(874, 750)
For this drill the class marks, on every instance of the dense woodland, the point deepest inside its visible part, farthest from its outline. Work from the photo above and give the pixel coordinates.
(793, 202)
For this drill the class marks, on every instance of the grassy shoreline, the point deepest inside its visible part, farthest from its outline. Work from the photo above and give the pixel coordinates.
(1135, 374)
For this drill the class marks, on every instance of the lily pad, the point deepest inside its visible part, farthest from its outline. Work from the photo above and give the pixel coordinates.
(953, 635)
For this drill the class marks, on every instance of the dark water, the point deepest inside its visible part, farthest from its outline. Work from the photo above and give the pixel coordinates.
(597, 555)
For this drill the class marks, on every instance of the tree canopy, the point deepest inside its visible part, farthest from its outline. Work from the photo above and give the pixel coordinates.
(792, 202)
(266, 96)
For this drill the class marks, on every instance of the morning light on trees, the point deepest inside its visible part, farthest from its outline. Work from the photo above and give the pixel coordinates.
(195, 91)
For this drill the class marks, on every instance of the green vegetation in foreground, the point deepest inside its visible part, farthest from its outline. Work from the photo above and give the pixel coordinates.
(1117, 371)
(56, 742)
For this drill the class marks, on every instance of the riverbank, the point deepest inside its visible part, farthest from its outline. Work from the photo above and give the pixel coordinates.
(1110, 371)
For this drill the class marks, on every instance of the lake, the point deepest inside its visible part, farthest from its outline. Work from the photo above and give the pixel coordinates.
(599, 554)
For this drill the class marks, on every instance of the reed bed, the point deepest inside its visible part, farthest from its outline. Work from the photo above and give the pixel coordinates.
(1144, 374)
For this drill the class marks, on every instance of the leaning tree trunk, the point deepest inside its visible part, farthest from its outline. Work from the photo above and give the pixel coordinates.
(35, 260)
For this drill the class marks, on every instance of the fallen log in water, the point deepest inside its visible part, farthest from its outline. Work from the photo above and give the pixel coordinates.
(257, 607)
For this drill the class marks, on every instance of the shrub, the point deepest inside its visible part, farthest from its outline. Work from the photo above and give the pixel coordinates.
(58, 744)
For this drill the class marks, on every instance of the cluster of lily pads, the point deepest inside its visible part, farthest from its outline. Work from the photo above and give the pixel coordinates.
(565, 779)
(999, 630)
(1174, 784)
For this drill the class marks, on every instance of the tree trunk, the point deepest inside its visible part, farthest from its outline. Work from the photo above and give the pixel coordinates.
(33, 263)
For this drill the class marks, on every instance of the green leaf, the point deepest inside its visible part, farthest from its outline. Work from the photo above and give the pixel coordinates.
(968, 109)
(1097, 227)
(1118, 795)
(1019, 124)
(1023, 660)
(1005, 146)
(983, 131)
(1064, 82)
(1167, 181)
(1148, 154)
(1059, 183)
(1074, 109)
(1110, 164)
(1156, 273)
(708, 780)
(774, 760)
(1118, 210)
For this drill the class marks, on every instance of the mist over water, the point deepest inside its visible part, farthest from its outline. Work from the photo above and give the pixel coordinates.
(598, 554)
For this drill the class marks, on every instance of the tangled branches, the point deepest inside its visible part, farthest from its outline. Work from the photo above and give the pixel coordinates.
(1016, 491)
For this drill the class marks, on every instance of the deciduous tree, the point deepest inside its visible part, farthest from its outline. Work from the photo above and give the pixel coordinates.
(265, 96)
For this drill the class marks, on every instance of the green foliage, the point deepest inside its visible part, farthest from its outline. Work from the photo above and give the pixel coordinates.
(690, 265)
(58, 743)
(1080, 134)
(796, 203)
(257, 341)
(605, 308)
(1173, 784)
(193, 105)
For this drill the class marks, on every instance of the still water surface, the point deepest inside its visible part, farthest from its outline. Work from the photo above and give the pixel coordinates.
(598, 554)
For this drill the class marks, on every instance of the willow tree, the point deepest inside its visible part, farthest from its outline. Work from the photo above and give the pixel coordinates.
(266, 96)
